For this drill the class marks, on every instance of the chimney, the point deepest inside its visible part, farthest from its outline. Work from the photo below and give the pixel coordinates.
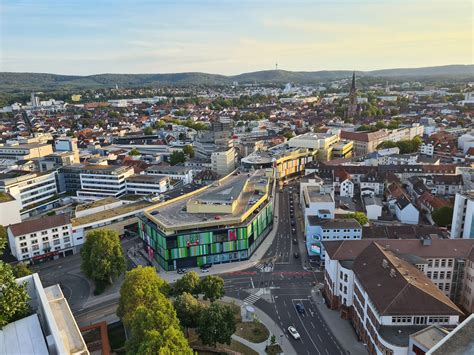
(393, 273)
(426, 241)
(385, 263)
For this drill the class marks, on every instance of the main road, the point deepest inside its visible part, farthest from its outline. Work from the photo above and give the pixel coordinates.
(284, 278)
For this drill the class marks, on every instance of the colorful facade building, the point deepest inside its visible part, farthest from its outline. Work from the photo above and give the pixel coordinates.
(219, 223)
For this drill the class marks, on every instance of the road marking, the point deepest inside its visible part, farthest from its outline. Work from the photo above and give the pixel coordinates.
(321, 340)
(308, 333)
(251, 280)
(312, 324)
(327, 351)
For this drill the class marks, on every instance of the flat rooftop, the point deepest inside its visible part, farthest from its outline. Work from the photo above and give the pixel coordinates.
(173, 215)
(315, 195)
(99, 203)
(111, 213)
(24, 336)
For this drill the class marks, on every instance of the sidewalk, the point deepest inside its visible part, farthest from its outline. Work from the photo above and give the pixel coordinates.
(258, 347)
(272, 327)
(172, 276)
(342, 329)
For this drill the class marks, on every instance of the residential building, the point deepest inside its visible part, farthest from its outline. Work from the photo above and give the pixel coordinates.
(323, 143)
(50, 328)
(218, 223)
(29, 188)
(147, 184)
(67, 144)
(365, 142)
(25, 151)
(386, 296)
(458, 341)
(319, 230)
(317, 201)
(9, 209)
(176, 172)
(373, 207)
(223, 161)
(463, 216)
(46, 238)
(55, 161)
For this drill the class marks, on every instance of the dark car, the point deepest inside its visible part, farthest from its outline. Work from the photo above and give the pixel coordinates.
(300, 308)
(292, 222)
(295, 241)
(296, 255)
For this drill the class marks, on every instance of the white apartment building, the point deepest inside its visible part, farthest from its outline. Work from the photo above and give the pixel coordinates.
(9, 209)
(47, 238)
(315, 200)
(175, 172)
(319, 230)
(463, 216)
(223, 161)
(346, 188)
(147, 184)
(384, 292)
(427, 149)
(29, 188)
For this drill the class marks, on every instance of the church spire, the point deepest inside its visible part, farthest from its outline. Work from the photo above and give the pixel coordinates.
(353, 85)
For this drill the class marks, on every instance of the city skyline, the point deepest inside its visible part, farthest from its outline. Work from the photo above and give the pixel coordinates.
(233, 37)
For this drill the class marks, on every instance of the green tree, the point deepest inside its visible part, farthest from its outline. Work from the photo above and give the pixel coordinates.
(13, 297)
(188, 310)
(134, 152)
(155, 329)
(359, 217)
(141, 287)
(160, 124)
(212, 287)
(189, 283)
(148, 131)
(3, 238)
(102, 257)
(216, 324)
(177, 157)
(20, 270)
(443, 216)
(189, 150)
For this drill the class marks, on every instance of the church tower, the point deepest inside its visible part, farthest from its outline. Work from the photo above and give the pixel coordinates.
(352, 108)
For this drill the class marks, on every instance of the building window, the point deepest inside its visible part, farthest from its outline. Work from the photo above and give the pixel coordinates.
(443, 262)
(441, 274)
(67, 239)
(55, 236)
(65, 233)
(446, 286)
(45, 239)
(44, 232)
(435, 275)
(436, 263)
(56, 242)
(35, 247)
(32, 235)
(341, 275)
(22, 237)
(54, 230)
(450, 262)
(23, 244)
(34, 241)
(24, 250)
(345, 290)
(430, 262)
(448, 275)
(65, 228)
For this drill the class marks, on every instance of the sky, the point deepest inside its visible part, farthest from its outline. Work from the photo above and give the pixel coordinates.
(230, 37)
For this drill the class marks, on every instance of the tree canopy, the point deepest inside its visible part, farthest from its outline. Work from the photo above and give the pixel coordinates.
(212, 287)
(189, 283)
(188, 310)
(140, 288)
(3, 238)
(216, 324)
(188, 149)
(134, 152)
(102, 256)
(177, 157)
(13, 298)
(359, 217)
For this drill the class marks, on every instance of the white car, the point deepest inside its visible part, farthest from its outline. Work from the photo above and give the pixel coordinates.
(293, 332)
(204, 270)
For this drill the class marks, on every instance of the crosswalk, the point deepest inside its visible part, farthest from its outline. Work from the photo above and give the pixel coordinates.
(264, 267)
(253, 297)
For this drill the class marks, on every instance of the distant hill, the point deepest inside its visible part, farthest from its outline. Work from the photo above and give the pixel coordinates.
(15, 82)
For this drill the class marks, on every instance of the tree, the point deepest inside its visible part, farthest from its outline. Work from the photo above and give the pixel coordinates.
(102, 257)
(177, 157)
(212, 287)
(141, 287)
(13, 297)
(3, 238)
(189, 283)
(20, 270)
(148, 131)
(155, 329)
(216, 324)
(443, 216)
(134, 152)
(160, 124)
(188, 310)
(189, 150)
(359, 217)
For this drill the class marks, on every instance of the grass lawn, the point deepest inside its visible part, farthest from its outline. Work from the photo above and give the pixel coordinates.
(274, 349)
(201, 349)
(255, 332)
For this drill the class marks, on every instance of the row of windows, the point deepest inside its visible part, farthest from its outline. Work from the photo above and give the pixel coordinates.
(420, 320)
(441, 275)
(440, 262)
(340, 230)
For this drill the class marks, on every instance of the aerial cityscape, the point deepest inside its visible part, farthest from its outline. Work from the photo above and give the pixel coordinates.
(236, 177)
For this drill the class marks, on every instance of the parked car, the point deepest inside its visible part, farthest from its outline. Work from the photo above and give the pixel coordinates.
(292, 222)
(300, 308)
(293, 332)
(296, 255)
(295, 241)
(203, 270)
(293, 230)
(182, 271)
